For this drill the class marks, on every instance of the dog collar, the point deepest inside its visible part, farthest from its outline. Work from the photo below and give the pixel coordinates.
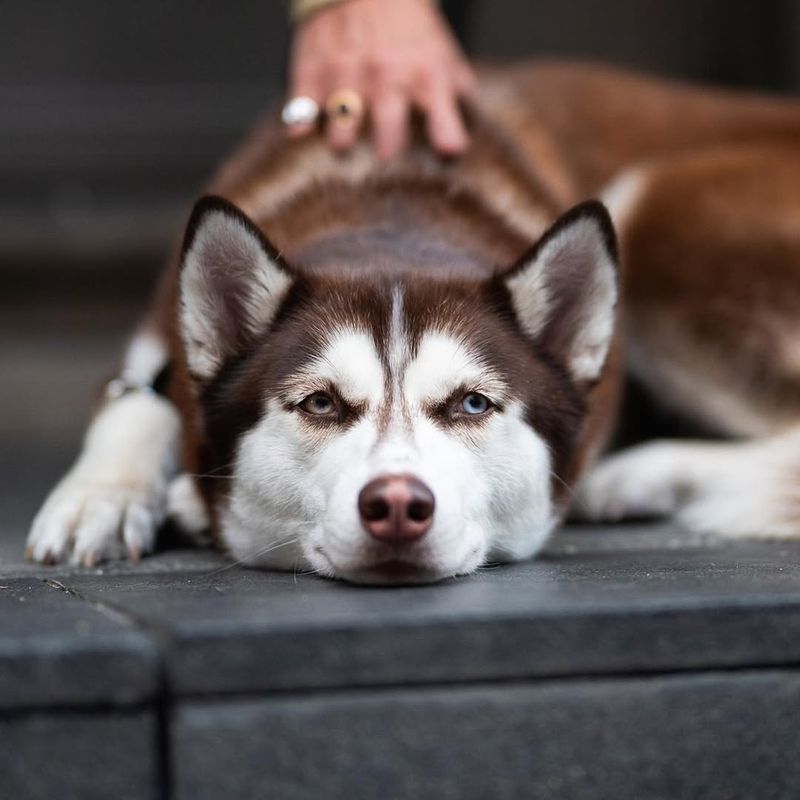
(119, 386)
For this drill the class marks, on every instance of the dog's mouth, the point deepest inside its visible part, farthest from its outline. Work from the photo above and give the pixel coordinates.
(388, 567)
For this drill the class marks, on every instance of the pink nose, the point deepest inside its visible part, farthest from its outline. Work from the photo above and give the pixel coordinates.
(396, 509)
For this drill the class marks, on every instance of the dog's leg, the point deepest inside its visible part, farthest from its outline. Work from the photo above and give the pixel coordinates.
(112, 501)
(737, 489)
(712, 286)
(186, 510)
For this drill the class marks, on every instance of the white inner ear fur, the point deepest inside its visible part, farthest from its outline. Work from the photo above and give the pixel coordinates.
(578, 253)
(224, 256)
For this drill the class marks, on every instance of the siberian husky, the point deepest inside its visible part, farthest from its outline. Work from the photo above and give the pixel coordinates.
(399, 372)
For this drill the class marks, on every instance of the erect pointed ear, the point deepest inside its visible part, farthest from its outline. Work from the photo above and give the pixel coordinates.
(564, 290)
(232, 283)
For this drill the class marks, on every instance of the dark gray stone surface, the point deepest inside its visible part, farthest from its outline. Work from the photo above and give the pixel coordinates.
(714, 736)
(290, 686)
(595, 611)
(59, 755)
(59, 650)
(601, 602)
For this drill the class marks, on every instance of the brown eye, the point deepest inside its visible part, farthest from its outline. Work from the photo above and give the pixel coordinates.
(319, 404)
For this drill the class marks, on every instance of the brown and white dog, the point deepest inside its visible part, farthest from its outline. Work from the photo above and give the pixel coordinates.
(399, 372)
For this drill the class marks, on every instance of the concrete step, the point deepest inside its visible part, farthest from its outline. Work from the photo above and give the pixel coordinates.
(627, 662)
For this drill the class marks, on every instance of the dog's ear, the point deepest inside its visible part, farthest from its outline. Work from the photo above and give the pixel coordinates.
(564, 290)
(232, 283)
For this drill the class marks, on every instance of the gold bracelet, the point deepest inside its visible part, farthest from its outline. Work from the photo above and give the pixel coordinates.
(300, 10)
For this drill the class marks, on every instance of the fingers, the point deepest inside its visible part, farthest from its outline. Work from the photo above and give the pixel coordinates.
(389, 113)
(342, 130)
(390, 124)
(445, 126)
(305, 86)
(344, 105)
(300, 129)
(464, 80)
(349, 90)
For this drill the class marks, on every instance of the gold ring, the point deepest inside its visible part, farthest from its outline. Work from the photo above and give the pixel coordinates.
(345, 108)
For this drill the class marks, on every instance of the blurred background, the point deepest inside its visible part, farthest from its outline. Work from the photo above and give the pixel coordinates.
(112, 115)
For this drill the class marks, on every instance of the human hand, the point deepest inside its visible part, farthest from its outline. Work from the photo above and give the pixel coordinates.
(395, 55)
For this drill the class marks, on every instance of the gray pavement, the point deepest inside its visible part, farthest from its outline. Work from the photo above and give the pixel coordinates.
(599, 670)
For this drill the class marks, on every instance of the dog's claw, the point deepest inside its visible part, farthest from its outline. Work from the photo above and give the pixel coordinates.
(104, 523)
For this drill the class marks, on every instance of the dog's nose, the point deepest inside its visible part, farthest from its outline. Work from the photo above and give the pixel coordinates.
(396, 508)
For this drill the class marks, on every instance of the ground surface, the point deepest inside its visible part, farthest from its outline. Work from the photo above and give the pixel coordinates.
(600, 670)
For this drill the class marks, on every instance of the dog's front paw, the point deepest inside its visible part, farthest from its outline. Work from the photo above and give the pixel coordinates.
(649, 480)
(86, 522)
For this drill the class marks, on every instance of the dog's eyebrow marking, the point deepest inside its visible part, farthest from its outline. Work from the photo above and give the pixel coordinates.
(349, 362)
(443, 364)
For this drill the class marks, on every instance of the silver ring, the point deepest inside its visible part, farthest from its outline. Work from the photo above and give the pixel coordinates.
(300, 110)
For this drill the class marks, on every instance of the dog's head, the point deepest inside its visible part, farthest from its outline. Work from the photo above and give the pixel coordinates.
(391, 429)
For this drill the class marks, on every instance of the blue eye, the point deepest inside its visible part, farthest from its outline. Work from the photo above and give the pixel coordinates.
(320, 404)
(474, 403)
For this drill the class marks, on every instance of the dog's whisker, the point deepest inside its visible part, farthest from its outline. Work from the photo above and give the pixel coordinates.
(312, 571)
(213, 472)
(570, 491)
(257, 554)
